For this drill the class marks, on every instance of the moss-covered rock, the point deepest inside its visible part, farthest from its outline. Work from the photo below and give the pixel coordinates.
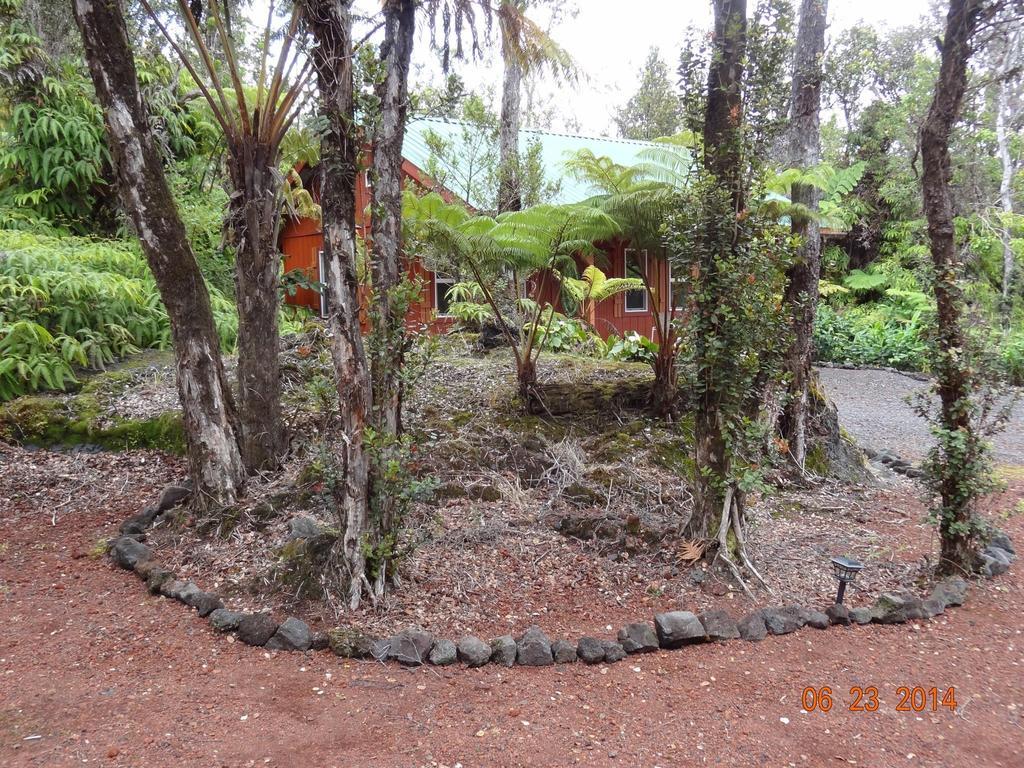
(61, 420)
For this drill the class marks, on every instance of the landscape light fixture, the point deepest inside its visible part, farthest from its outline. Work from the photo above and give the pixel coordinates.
(846, 570)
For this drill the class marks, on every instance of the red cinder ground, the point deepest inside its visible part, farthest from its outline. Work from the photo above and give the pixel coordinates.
(103, 673)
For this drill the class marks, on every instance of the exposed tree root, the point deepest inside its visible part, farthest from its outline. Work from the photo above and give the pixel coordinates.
(732, 520)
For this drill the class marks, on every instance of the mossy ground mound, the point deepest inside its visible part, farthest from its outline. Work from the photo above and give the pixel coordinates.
(94, 414)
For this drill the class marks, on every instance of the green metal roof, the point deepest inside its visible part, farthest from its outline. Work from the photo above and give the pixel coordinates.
(555, 149)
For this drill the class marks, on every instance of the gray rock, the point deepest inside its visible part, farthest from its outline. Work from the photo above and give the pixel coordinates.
(126, 552)
(613, 652)
(913, 607)
(293, 635)
(473, 651)
(534, 649)
(816, 619)
(303, 527)
(838, 614)
(320, 641)
(719, 626)
(782, 621)
(140, 522)
(188, 592)
(860, 615)
(590, 650)
(751, 627)
(1001, 540)
(999, 554)
(914, 473)
(889, 608)
(171, 588)
(411, 647)
(503, 650)
(989, 566)
(951, 591)
(563, 651)
(380, 649)
(256, 628)
(172, 495)
(443, 653)
(157, 578)
(225, 620)
(351, 643)
(678, 628)
(932, 607)
(638, 638)
(206, 603)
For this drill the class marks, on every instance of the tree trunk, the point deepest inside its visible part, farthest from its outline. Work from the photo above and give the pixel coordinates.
(723, 158)
(1006, 159)
(509, 193)
(952, 373)
(801, 294)
(386, 208)
(723, 117)
(712, 463)
(330, 22)
(208, 412)
(664, 394)
(254, 213)
(526, 374)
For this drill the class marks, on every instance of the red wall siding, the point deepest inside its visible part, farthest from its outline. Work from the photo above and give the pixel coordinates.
(301, 241)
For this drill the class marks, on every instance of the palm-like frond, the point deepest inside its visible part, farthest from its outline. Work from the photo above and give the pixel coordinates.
(532, 47)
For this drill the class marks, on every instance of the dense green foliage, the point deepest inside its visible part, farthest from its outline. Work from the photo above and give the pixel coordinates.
(68, 303)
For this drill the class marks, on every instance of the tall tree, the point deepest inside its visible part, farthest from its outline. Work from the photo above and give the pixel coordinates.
(957, 434)
(254, 127)
(525, 48)
(723, 159)
(801, 296)
(330, 23)
(386, 210)
(1010, 60)
(215, 461)
(654, 110)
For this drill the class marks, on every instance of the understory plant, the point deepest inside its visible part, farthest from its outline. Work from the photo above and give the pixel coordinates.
(515, 262)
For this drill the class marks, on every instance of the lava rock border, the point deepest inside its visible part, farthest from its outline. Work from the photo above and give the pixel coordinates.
(414, 647)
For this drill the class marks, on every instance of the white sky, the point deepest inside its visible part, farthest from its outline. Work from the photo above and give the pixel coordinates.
(610, 40)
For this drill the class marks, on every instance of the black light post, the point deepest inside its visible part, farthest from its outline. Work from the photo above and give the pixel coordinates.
(846, 570)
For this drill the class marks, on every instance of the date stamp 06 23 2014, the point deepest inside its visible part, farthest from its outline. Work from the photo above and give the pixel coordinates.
(866, 699)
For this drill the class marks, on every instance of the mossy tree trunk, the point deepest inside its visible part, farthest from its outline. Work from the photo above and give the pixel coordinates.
(215, 461)
(386, 212)
(953, 376)
(723, 157)
(330, 22)
(801, 295)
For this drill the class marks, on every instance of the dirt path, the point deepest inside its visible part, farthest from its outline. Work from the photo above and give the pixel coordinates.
(93, 669)
(872, 406)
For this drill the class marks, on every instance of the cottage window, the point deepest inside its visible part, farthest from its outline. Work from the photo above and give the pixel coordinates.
(442, 294)
(636, 266)
(678, 287)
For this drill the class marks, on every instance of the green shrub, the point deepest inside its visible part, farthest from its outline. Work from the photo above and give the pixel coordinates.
(871, 336)
(631, 347)
(69, 303)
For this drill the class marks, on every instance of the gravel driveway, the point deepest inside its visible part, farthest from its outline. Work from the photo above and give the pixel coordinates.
(873, 408)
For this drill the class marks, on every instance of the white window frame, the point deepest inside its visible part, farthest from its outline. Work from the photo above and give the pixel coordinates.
(321, 266)
(673, 279)
(644, 261)
(439, 280)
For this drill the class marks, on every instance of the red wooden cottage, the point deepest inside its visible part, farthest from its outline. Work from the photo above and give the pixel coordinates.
(451, 174)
